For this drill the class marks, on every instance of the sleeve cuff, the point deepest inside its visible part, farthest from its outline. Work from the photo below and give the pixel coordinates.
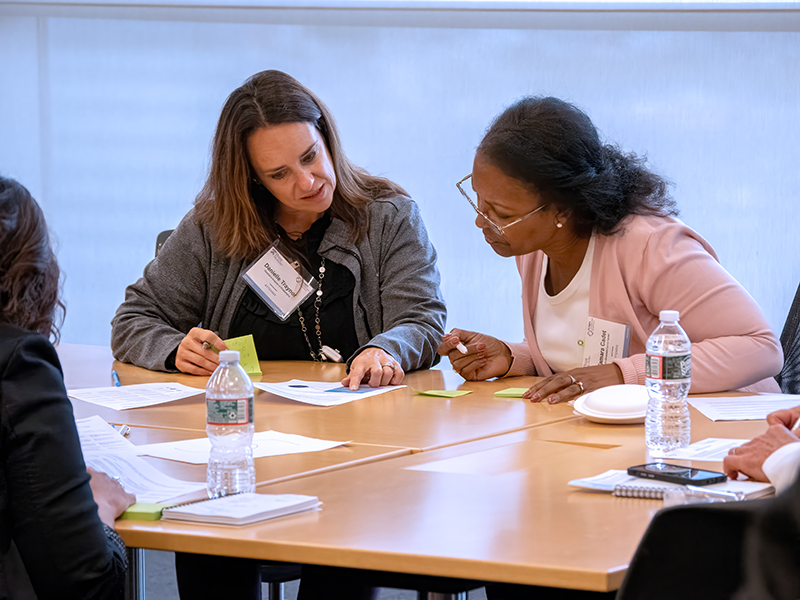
(782, 465)
(116, 540)
(521, 361)
(628, 369)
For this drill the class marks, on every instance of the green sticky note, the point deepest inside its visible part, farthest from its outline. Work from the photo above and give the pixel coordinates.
(443, 393)
(143, 511)
(248, 357)
(511, 393)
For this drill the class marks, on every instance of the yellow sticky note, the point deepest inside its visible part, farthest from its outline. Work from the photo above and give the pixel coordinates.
(142, 511)
(511, 393)
(248, 357)
(443, 393)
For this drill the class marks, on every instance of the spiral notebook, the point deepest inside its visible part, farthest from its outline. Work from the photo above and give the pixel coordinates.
(239, 509)
(620, 483)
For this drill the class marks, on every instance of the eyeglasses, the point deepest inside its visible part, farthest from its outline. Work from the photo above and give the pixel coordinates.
(499, 228)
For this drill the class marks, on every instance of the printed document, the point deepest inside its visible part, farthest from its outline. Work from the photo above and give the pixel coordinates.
(135, 396)
(265, 443)
(105, 450)
(744, 408)
(321, 393)
(710, 449)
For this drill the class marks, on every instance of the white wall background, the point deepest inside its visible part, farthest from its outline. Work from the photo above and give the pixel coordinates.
(108, 122)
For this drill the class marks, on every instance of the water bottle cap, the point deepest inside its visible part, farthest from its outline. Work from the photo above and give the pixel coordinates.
(229, 356)
(669, 315)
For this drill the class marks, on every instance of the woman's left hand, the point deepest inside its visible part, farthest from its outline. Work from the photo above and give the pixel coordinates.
(375, 367)
(571, 384)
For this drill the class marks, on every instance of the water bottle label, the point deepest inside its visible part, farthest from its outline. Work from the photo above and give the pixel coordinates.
(229, 412)
(671, 368)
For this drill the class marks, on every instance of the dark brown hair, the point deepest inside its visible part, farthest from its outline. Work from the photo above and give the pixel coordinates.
(227, 201)
(29, 274)
(554, 148)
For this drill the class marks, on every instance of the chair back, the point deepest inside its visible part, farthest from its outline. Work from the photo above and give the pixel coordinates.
(162, 237)
(789, 377)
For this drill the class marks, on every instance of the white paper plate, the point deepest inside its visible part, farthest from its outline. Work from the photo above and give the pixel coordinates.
(614, 404)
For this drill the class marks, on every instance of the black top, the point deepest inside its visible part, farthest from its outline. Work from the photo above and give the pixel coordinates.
(46, 504)
(284, 340)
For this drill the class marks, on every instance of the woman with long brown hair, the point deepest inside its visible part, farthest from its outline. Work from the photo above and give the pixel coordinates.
(56, 519)
(280, 185)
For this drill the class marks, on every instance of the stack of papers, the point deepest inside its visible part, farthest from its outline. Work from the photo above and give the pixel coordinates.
(105, 450)
(240, 509)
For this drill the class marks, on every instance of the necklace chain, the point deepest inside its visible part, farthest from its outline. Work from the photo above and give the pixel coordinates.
(315, 356)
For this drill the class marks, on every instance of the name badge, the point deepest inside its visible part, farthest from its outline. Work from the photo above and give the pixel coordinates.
(605, 341)
(282, 284)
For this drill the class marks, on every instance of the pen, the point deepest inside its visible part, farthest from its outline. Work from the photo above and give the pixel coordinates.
(115, 378)
(461, 348)
(796, 425)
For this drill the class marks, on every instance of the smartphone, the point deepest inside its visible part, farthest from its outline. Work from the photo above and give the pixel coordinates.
(676, 474)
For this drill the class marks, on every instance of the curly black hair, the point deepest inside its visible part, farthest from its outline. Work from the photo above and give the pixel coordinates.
(553, 148)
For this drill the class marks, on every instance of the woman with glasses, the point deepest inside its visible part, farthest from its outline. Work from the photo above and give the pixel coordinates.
(595, 240)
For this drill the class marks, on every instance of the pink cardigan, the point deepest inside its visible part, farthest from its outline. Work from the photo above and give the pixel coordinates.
(654, 264)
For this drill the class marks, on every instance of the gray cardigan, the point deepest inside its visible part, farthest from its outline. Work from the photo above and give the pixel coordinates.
(397, 303)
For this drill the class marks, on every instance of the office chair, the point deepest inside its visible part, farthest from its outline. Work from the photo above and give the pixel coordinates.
(162, 237)
(693, 552)
(789, 377)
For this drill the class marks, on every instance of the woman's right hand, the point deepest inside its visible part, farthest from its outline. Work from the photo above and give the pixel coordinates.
(193, 358)
(109, 495)
(486, 356)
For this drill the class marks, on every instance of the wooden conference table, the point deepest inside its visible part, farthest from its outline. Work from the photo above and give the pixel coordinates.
(473, 487)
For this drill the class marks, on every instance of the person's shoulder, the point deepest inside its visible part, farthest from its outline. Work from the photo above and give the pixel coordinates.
(391, 205)
(19, 342)
(641, 231)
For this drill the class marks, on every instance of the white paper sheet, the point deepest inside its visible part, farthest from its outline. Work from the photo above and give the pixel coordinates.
(321, 393)
(710, 449)
(97, 435)
(135, 396)
(265, 443)
(117, 457)
(744, 408)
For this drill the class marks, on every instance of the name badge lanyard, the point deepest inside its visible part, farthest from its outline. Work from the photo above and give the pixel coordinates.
(283, 284)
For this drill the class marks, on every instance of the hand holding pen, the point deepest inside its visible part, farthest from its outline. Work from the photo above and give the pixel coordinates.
(475, 356)
(198, 353)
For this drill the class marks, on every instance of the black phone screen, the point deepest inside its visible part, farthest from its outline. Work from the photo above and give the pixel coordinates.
(676, 474)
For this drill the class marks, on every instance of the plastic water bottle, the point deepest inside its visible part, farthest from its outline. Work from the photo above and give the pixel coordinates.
(229, 425)
(668, 377)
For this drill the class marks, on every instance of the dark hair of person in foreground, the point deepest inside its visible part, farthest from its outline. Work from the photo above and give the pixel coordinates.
(29, 273)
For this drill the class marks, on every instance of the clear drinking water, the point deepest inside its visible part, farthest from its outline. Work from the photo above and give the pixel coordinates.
(230, 428)
(668, 372)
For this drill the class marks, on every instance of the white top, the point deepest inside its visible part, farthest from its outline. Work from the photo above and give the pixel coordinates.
(782, 465)
(560, 321)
